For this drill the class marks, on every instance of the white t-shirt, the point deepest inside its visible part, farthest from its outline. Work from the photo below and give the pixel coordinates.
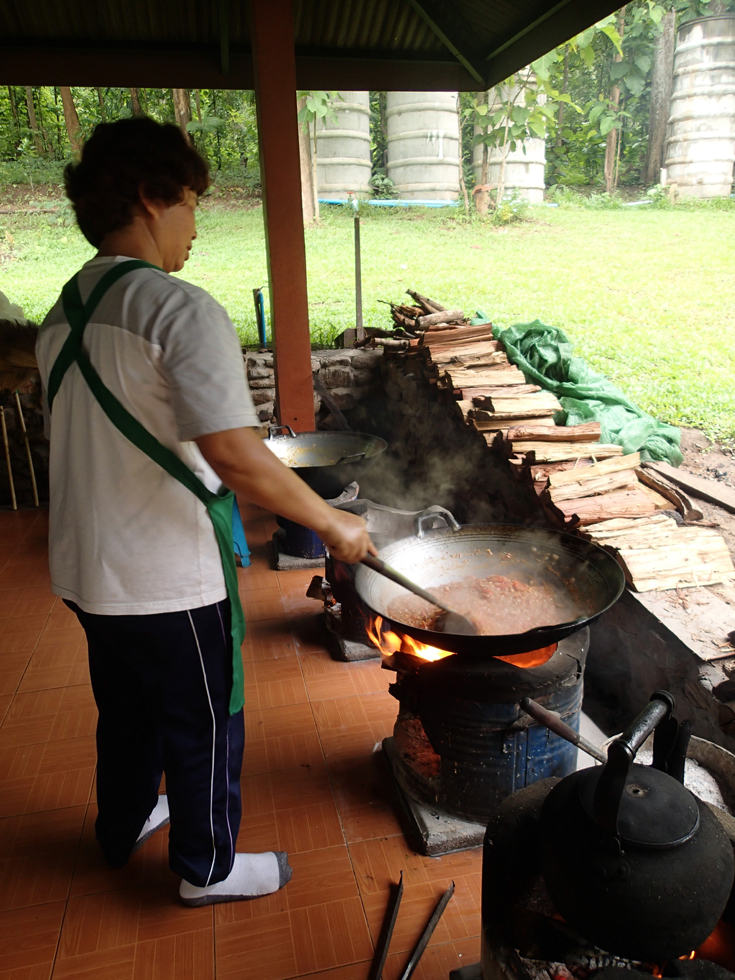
(125, 537)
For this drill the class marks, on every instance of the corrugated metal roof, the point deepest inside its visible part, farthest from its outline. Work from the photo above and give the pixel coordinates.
(450, 41)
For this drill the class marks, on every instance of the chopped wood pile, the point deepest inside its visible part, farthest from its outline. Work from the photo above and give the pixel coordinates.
(656, 553)
(583, 484)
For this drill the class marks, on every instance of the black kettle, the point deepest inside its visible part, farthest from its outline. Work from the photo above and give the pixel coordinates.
(632, 860)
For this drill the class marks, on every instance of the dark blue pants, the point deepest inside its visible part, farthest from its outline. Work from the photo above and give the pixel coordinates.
(162, 686)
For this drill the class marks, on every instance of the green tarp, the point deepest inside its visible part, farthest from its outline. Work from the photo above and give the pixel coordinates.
(544, 354)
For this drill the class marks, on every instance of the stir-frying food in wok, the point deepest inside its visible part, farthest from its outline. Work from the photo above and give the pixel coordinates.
(496, 605)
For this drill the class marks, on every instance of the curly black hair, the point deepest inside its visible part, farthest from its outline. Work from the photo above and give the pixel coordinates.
(120, 161)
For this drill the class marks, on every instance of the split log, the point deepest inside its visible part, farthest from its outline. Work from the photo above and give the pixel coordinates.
(511, 403)
(502, 390)
(653, 479)
(643, 530)
(613, 465)
(636, 502)
(705, 489)
(502, 425)
(683, 561)
(486, 378)
(560, 433)
(429, 305)
(555, 452)
(459, 334)
(543, 471)
(465, 355)
(593, 487)
(432, 320)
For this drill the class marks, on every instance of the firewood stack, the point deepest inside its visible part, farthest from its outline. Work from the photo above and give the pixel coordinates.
(583, 485)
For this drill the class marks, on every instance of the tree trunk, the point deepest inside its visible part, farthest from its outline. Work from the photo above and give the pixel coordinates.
(101, 100)
(13, 108)
(135, 102)
(182, 110)
(564, 90)
(32, 120)
(307, 186)
(611, 145)
(197, 99)
(314, 182)
(71, 119)
(662, 81)
(462, 184)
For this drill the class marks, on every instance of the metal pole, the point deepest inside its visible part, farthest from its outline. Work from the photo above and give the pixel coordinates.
(358, 281)
(7, 457)
(28, 450)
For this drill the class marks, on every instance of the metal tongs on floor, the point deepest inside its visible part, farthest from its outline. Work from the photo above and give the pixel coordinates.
(386, 933)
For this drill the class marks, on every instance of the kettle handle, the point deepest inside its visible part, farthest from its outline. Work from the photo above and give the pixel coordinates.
(620, 756)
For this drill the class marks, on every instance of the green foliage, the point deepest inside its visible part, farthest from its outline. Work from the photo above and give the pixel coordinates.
(511, 208)
(226, 134)
(382, 185)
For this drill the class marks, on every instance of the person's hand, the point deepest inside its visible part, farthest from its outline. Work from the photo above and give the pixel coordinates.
(347, 537)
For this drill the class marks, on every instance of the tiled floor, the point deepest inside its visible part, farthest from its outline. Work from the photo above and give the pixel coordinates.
(311, 785)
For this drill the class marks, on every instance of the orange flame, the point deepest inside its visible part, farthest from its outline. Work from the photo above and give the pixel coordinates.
(389, 643)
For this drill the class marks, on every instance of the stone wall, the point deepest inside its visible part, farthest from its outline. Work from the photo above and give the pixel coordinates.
(349, 376)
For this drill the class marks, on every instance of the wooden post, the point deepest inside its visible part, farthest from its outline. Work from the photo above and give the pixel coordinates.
(274, 63)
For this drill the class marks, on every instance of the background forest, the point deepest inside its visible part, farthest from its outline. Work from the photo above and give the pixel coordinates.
(591, 99)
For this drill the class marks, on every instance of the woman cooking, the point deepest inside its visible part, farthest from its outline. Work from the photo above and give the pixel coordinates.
(150, 418)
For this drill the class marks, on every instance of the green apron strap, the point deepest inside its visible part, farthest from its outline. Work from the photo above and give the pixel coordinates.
(219, 506)
(78, 314)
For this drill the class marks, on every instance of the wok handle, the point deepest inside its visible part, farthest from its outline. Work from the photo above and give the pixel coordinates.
(447, 518)
(379, 566)
(555, 724)
(277, 428)
(620, 755)
(354, 458)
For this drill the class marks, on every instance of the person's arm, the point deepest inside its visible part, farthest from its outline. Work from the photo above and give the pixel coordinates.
(244, 464)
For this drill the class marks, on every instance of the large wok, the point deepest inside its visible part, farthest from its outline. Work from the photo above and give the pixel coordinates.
(327, 461)
(580, 569)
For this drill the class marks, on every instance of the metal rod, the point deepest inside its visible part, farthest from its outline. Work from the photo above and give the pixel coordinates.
(428, 931)
(381, 950)
(260, 316)
(358, 278)
(554, 723)
(6, 444)
(34, 487)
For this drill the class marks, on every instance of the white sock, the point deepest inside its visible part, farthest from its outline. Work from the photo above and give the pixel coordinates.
(158, 818)
(252, 875)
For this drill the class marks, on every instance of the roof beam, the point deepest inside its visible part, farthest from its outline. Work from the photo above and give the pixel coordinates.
(454, 32)
(26, 63)
(556, 26)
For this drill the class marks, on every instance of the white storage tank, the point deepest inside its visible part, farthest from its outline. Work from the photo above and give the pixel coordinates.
(343, 161)
(701, 132)
(423, 145)
(525, 166)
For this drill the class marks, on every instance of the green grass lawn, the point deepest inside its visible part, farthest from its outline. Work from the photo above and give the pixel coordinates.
(646, 296)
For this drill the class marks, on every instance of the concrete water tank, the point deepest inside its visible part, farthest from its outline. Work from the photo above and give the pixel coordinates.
(701, 132)
(525, 166)
(343, 161)
(423, 145)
